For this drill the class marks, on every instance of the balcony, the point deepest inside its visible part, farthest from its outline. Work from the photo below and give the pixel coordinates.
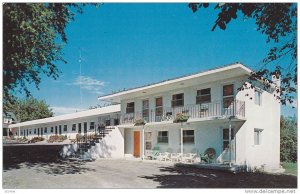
(196, 111)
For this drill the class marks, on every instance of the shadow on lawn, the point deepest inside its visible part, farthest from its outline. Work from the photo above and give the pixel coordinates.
(189, 177)
(36, 158)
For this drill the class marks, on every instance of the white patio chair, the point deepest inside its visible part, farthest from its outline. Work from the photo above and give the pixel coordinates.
(153, 155)
(163, 156)
(189, 157)
(176, 157)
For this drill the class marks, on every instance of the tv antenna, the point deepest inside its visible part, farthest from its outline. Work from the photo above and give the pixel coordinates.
(80, 77)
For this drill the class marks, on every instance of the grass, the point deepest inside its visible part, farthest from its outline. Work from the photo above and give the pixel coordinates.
(290, 168)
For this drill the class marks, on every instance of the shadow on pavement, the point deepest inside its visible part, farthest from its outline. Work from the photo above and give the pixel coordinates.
(41, 158)
(189, 177)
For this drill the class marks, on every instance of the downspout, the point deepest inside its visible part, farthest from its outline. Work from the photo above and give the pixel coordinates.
(143, 143)
(229, 142)
(181, 139)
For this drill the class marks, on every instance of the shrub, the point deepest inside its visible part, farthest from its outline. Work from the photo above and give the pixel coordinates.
(139, 122)
(36, 139)
(57, 138)
(288, 139)
(180, 117)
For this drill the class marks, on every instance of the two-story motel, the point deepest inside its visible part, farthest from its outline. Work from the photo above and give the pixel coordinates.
(241, 126)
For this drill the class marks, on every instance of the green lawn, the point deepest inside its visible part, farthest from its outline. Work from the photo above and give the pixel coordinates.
(290, 168)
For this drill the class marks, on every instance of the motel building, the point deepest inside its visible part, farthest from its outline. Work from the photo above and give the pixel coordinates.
(241, 127)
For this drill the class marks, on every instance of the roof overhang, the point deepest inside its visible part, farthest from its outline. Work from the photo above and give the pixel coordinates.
(226, 72)
(82, 114)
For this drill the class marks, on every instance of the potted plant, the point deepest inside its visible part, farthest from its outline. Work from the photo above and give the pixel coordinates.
(139, 122)
(180, 117)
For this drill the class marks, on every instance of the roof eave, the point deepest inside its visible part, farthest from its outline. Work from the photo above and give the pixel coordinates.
(110, 96)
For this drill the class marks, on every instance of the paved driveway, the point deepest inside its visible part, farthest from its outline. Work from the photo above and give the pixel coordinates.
(102, 173)
(121, 173)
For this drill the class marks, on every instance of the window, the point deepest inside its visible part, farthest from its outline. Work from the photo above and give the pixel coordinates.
(226, 138)
(73, 127)
(158, 106)
(107, 122)
(145, 109)
(130, 107)
(178, 100)
(65, 128)
(30, 132)
(162, 137)
(116, 121)
(45, 130)
(188, 136)
(92, 125)
(148, 145)
(21, 132)
(228, 93)
(257, 97)
(148, 140)
(85, 127)
(257, 136)
(203, 96)
(51, 129)
(59, 129)
(79, 127)
(34, 131)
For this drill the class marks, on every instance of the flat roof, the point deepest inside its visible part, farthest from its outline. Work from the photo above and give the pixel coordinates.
(81, 114)
(238, 67)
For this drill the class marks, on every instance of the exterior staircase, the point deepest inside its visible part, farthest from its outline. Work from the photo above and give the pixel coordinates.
(86, 141)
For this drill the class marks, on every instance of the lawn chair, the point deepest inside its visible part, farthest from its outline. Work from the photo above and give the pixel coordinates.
(163, 156)
(152, 155)
(176, 157)
(189, 157)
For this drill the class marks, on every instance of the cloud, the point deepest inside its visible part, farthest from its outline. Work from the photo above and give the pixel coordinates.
(60, 110)
(90, 84)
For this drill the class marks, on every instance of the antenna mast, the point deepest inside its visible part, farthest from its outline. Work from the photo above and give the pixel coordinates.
(80, 81)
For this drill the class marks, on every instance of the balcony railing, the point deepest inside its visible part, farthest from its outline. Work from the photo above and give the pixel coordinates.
(206, 110)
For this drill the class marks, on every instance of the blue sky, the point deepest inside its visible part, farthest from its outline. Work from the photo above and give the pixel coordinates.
(128, 45)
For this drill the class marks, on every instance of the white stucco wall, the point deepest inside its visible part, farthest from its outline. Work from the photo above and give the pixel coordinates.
(111, 146)
(266, 117)
(190, 94)
(70, 134)
(207, 134)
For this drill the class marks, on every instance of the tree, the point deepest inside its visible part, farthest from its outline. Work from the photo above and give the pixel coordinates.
(278, 21)
(288, 139)
(30, 109)
(33, 36)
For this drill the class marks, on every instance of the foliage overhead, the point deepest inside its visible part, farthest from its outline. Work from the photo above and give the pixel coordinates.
(278, 21)
(30, 109)
(33, 36)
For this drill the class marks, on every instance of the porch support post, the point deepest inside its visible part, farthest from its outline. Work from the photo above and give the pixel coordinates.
(19, 132)
(8, 130)
(181, 139)
(143, 143)
(229, 145)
